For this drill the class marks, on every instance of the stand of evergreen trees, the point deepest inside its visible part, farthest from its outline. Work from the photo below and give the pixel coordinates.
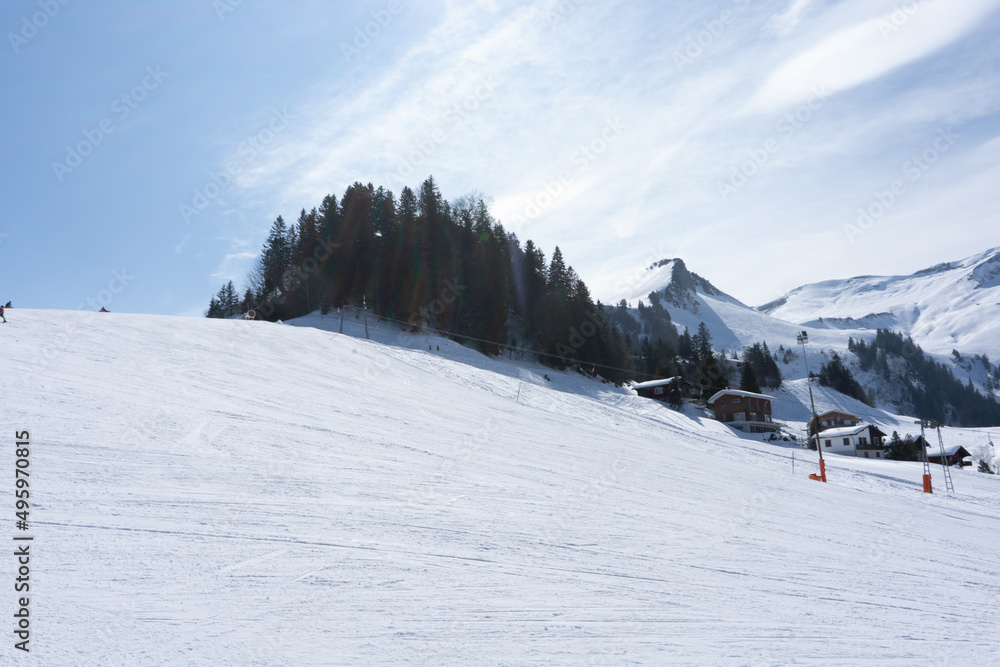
(764, 366)
(933, 389)
(429, 264)
(838, 376)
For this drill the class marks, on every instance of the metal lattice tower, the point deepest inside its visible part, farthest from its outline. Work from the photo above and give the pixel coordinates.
(944, 462)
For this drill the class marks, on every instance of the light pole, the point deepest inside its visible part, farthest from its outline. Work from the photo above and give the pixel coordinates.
(803, 338)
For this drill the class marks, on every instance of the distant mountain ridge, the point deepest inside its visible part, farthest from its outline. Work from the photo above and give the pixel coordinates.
(949, 306)
(952, 305)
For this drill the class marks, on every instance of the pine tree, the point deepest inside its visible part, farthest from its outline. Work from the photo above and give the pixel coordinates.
(703, 342)
(764, 366)
(748, 379)
(685, 345)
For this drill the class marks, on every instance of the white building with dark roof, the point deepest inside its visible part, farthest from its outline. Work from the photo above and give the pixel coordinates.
(864, 440)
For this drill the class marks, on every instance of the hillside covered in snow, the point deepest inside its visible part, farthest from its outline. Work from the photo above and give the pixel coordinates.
(223, 492)
(955, 305)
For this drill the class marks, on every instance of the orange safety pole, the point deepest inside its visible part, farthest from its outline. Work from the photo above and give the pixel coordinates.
(822, 469)
(927, 484)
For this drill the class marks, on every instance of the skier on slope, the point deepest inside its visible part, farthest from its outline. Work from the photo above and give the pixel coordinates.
(1, 314)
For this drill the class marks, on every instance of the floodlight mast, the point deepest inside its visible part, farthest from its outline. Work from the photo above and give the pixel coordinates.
(802, 338)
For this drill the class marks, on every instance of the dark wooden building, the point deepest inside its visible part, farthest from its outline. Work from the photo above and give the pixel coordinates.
(744, 410)
(953, 455)
(661, 390)
(837, 419)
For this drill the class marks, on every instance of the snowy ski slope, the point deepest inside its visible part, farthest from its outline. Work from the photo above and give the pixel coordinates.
(209, 492)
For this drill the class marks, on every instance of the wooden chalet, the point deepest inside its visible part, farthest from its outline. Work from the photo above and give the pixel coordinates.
(837, 419)
(744, 410)
(953, 454)
(661, 390)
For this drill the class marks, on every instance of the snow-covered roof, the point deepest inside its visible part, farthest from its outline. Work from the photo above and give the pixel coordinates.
(838, 412)
(736, 392)
(843, 431)
(949, 450)
(655, 383)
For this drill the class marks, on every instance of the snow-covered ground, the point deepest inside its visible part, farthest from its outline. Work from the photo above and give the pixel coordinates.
(241, 493)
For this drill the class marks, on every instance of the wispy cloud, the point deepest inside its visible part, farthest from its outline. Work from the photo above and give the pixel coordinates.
(232, 267)
(870, 49)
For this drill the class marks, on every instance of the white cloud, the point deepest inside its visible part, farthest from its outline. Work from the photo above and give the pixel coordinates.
(233, 266)
(870, 49)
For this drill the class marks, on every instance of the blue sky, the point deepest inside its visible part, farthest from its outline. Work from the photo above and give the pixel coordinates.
(149, 146)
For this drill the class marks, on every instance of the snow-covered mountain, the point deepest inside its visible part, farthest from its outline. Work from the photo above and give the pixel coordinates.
(691, 299)
(216, 492)
(955, 305)
(948, 307)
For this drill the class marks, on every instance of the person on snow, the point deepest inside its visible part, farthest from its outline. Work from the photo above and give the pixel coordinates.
(1, 315)
(104, 310)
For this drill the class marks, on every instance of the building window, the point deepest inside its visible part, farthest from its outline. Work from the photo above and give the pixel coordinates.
(827, 443)
(866, 455)
(658, 391)
(878, 455)
(847, 442)
(862, 441)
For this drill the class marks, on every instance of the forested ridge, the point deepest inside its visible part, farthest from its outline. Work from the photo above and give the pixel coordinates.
(426, 263)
